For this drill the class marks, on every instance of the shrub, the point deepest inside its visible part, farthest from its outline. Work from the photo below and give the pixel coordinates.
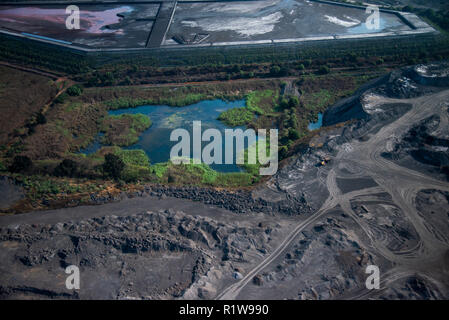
(67, 168)
(75, 90)
(133, 157)
(21, 164)
(293, 102)
(61, 98)
(324, 70)
(284, 104)
(113, 166)
(275, 70)
(135, 173)
(283, 152)
(293, 134)
(41, 119)
(284, 71)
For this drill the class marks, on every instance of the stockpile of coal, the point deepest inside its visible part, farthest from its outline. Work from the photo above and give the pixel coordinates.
(422, 146)
(240, 201)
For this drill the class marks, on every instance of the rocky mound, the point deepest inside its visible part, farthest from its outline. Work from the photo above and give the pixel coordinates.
(136, 256)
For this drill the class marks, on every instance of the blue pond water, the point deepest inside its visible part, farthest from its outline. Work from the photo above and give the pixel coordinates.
(318, 124)
(156, 140)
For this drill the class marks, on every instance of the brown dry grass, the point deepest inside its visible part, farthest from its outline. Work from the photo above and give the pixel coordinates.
(22, 95)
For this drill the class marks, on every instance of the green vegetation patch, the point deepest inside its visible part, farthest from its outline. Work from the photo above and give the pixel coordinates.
(200, 175)
(75, 90)
(38, 187)
(124, 130)
(236, 117)
(133, 157)
(159, 169)
(170, 100)
(258, 104)
(319, 100)
(137, 164)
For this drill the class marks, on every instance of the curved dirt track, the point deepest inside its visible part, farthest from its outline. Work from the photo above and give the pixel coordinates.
(401, 183)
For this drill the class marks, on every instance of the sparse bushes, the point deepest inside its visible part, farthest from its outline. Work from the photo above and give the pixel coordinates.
(124, 130)
(279, 71)
(289, 103)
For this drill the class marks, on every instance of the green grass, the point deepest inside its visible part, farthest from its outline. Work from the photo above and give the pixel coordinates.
(236, 117)
(159, 169)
